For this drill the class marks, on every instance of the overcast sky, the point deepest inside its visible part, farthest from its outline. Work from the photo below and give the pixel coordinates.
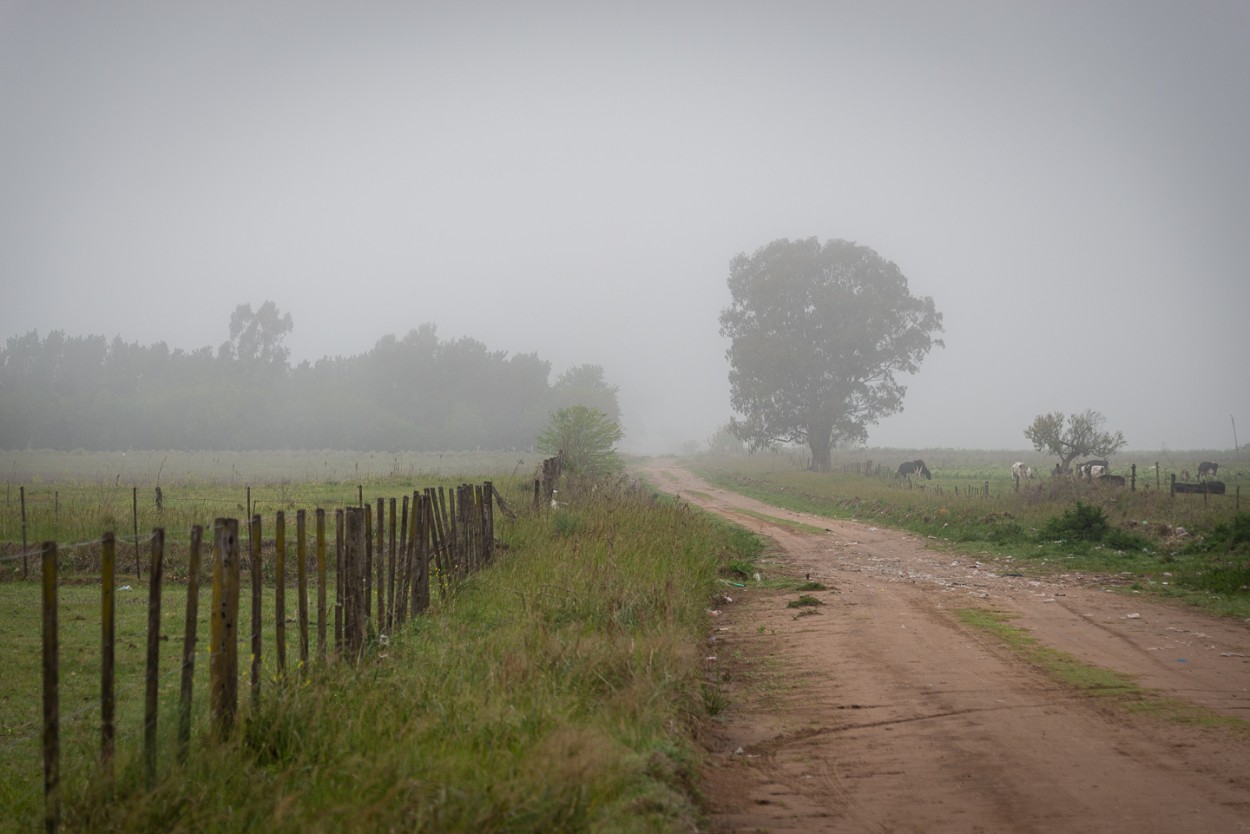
(1069, 181)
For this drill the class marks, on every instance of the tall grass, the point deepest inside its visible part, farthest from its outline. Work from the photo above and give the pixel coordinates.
(559, 690)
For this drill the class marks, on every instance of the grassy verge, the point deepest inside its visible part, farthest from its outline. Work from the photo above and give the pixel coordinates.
(1111, 688)
(559, 690)
(1183, 546)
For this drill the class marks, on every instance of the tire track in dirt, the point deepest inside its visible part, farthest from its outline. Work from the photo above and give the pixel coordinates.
(884, 713)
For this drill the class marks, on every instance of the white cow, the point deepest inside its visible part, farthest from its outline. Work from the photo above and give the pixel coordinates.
(1019, 471)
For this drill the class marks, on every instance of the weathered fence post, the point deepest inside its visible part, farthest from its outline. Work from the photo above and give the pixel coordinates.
(380, 551)
(1132, 477)
(51, 696)
(255, 544)
(321, 583)
(390, 575)
(401, 615)
(338, 582)
(366, 564)
(108, 651)
(224, 655)
(353, 579)
(188, 644)
(279, 591)
(152, 674)
(301, 578)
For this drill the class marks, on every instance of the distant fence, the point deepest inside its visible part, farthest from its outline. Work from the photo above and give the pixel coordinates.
(435, 536)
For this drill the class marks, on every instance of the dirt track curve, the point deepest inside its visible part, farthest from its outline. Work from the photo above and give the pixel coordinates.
(884, 713)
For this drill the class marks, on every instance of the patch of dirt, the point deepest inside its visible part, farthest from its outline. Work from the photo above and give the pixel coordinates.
(880, 711)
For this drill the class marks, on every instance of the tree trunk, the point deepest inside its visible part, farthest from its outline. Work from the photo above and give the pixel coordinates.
(819, 441)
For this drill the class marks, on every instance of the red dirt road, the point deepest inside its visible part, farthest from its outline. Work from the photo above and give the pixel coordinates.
(884, 713)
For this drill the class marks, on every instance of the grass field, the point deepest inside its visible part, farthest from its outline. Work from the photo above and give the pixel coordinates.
(1192, 547)
(561, 689)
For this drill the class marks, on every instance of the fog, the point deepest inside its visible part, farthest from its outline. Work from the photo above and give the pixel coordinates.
(1069, 181)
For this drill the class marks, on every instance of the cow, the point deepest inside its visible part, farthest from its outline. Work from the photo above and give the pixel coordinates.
(1184, 474)
(1097, 470)
(913, 467)
(1019, 471)
(1112, 480)
(1086, 469)
(1207, 468)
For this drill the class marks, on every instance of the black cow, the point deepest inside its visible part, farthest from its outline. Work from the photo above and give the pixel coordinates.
(1207, 468)
(913, 467)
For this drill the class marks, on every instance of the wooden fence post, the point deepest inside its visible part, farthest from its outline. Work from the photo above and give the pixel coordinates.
(255, 545)
(321, 583)
(224, 655)
(390, 575)
(338, 582)
(301, 579)
(439, 541)
(379, 550)
(401, 591)
(51, 696)
(366, 562)
(279, 591)
(352, 579)
(188, 644)
(108, 652)
(152, 674)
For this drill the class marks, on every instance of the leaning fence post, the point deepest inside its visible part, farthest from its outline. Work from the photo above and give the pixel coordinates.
(152, 677)
(188, 644)
(21, 491)
(224, 658)
(51, 696)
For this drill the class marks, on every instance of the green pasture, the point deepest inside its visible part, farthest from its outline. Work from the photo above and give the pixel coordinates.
(560, 689)
(1191, 547)
(74, 497)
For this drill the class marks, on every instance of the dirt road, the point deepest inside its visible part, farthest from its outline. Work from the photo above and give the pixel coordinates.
(885, 713)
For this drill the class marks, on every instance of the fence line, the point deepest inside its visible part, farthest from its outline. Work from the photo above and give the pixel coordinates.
(449, 532)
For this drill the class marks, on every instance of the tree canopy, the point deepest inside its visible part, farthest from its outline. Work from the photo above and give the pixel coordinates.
(1073, 436)
(819, 333)
(588, 439)
(413, 392)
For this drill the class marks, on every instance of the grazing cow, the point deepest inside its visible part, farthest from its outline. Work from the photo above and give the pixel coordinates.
(1184, 474)
(1112, 480)
(913, 467)
(1207, 468)
(1019, 471)
(1097, 471)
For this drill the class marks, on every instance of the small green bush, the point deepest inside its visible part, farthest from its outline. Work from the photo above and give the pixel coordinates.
(1082, 522)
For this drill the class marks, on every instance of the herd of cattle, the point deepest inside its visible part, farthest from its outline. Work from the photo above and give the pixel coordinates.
(1090, 470)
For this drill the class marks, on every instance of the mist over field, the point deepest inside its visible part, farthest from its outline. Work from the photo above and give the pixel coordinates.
(1067, 180)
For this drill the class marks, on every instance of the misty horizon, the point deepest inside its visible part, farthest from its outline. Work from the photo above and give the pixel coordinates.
(1068, 182)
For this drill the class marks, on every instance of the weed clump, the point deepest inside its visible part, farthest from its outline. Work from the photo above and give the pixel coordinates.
(1082, 522)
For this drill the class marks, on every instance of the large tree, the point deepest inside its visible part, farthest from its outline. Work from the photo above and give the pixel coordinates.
(1077, 435)
(818, 334)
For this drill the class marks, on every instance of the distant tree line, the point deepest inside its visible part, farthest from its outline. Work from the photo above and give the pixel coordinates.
(415, 392)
